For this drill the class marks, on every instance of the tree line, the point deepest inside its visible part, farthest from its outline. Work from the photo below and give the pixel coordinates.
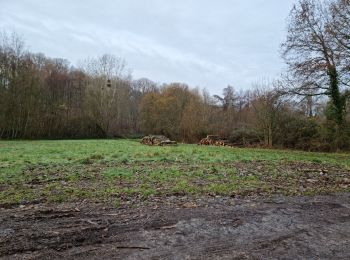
(307, 108)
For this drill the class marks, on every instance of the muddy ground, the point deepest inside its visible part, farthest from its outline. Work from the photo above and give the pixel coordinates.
(181, 228)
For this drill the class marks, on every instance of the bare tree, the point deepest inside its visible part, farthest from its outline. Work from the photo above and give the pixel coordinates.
(315, 64)
(228, 99)
(340, 29)
(144, 86)
(266, 103)
(106, 91)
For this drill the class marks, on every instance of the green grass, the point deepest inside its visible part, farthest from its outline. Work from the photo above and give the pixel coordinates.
(118, 170)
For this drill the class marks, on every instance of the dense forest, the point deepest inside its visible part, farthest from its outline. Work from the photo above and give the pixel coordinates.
(306, 108)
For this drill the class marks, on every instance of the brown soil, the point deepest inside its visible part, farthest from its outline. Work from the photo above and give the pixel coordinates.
(181, 228)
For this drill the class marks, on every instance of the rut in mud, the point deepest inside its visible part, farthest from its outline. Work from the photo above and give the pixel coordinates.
(182, 228)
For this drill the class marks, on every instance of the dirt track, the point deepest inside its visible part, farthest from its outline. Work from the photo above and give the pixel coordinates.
(210, 228)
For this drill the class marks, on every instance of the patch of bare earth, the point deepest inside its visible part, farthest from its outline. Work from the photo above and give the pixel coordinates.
(315, 227)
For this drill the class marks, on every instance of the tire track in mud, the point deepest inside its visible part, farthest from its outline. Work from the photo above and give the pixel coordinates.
(216, 228)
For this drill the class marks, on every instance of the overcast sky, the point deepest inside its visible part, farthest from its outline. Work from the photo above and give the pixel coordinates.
(203, 43)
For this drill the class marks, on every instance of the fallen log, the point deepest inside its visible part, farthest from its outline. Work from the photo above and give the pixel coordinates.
(168, 143)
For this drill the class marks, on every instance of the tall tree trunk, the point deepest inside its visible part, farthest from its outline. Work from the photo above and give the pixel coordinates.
(338, 106)
(337, 99)
(270, 136)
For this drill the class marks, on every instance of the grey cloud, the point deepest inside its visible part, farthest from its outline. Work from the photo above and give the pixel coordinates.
(202, 42)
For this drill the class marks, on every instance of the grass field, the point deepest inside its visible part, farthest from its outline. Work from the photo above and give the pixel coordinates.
(118, 171)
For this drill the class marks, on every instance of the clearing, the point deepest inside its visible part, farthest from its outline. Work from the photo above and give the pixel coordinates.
(121, 199)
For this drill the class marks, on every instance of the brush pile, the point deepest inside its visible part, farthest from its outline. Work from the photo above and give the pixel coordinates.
(159, 140)
(214, 140)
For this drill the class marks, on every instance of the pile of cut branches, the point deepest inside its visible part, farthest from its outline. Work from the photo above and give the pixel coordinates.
(159, 140)
(214, 140)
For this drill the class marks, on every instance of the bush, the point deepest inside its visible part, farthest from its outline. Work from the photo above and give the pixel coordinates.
(245, 136)
(297, 132)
